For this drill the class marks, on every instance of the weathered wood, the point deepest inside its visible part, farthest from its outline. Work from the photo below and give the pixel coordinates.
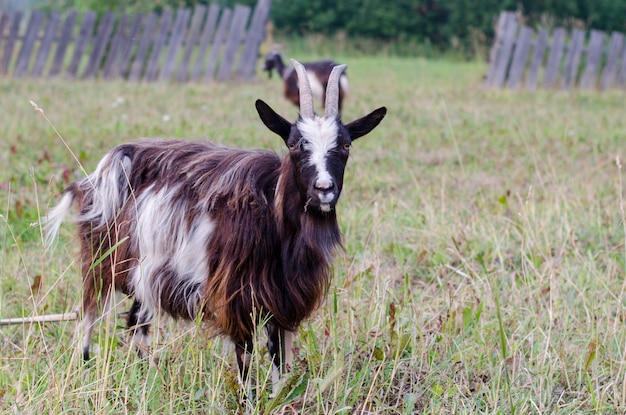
(152, 48)
(254, 38)
(129, 42)
(205, 41)
(191, 42)
(496, 50)
(572, 60)
(157, 46)
(596, 43)
(28, 43)
(84, 37)
(4, 22)
(176, 39)
(46, 44)
(504, 55)
(110, 70)
(554, 59)
(520, 56)
(100, 42)
(536, 61)
(64, 41)
(621, 78)
(235, 36)
(610, 69)
(225, 19)
(14, 28)
(137, 67)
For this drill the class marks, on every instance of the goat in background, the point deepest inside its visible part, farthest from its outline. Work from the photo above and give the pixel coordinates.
(201, 231)
(318, 73)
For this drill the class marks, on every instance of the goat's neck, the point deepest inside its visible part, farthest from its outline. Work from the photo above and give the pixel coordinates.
(312, 236)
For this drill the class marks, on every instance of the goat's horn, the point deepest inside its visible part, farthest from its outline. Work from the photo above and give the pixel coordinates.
(332, 91)
(306, 94)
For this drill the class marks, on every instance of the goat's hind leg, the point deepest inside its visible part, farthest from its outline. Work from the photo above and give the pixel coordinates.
(139, 324)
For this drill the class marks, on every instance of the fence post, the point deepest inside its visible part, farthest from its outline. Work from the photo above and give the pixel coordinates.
(256, 34)
(10, 42)
(554, 60)
(537, 59)
(596, 41)
(522, 46)
(64, 41)
(610, 69)
(235, 35)
(28, 43)
(46, 44)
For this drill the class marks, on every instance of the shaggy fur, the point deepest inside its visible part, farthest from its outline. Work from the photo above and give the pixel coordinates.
(202, 231)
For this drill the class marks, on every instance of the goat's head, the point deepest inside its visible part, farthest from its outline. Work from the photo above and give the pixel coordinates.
(319, 146)
(271, 61)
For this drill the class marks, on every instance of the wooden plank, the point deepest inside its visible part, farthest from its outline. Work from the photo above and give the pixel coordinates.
(217, 43)
(254, 38)
(504, 57)
(554, 59)
(4, 23)
(536, 61)
(176, 39)
(610, 69)
(496, 49)
(190, 42)
(136, 69)
(64, 41)
(205, 41)
(84, 37)
(109, 69)
(100, 42)
(621, 78)
(28, 42)
(129, 43)
(594, 54)
(235, 36)
(46, 44)
(520, 56)
(572, 60)
(159, 41)
(14, 28)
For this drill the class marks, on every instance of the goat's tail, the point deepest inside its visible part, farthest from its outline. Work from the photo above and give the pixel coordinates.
(55, 216)
(100, 195)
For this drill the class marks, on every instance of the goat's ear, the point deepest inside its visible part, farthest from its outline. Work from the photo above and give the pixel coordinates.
(358, 128)
(272, 120)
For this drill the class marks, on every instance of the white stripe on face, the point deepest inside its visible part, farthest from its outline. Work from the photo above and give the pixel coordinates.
(319, 137)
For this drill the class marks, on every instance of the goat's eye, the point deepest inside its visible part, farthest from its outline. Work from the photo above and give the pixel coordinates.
(293, 146)
(346, 146)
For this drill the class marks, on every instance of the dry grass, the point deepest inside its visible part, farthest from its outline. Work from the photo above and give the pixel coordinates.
(484, 269)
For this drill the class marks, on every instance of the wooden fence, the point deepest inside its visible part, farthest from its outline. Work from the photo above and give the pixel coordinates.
(520, 57)
(202, 44)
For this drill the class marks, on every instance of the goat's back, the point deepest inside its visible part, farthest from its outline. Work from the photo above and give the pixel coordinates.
(174, 218)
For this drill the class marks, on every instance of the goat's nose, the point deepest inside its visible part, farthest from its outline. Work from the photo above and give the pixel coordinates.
(324, 185)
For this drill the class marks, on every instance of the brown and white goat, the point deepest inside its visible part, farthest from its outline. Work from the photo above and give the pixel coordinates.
(202, 231)
(318, 73)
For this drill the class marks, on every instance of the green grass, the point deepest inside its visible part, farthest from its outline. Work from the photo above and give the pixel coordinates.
(484, 270)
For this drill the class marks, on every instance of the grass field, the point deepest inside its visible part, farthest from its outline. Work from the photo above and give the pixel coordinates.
(484, 270)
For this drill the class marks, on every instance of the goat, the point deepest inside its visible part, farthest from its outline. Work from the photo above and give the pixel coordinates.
(318, 73)
(205, 232)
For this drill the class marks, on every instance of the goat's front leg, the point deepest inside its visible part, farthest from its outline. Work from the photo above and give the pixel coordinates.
(243, 350)
(280, 346)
